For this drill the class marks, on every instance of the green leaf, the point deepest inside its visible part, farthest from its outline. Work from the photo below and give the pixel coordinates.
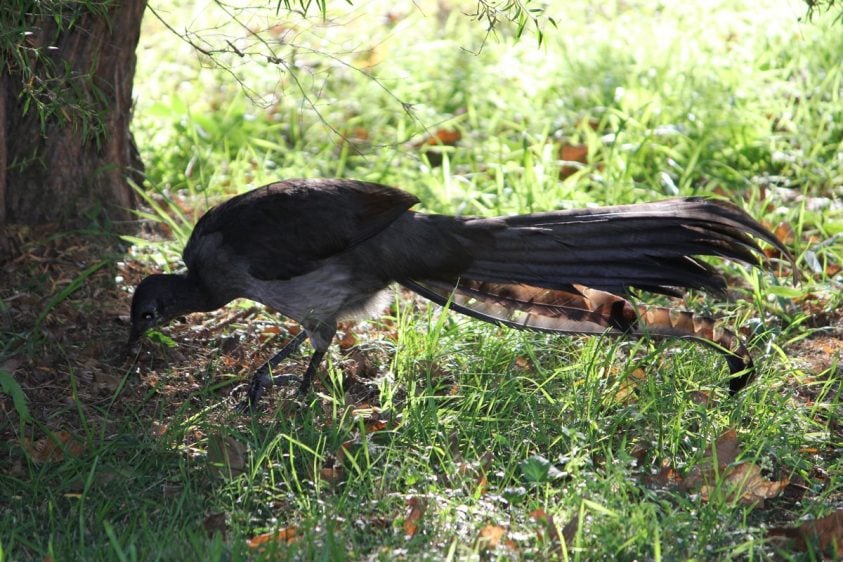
(10, 386)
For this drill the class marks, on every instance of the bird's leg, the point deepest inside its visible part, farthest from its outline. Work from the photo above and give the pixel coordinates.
(262, 378)
(315, 360)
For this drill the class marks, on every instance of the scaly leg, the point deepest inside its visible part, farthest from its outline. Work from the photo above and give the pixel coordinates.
(262, 379)
(315, 360)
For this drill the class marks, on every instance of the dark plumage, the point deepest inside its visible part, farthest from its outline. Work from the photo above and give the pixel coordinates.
(319, 251)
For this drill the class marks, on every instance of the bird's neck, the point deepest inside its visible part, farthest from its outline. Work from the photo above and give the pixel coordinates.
(192, 296)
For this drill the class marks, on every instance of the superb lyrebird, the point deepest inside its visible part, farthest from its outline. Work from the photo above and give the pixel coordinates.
(320, 250)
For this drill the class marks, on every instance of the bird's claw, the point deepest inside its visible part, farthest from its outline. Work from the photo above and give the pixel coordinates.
(258, 385)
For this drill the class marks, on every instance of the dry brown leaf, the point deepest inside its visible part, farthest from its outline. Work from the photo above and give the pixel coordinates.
(53, 448)
(744, 483)
(626, 390)
(490, 537)
(550, 529)
(726, 450)
(702, 397)
(347, 340)
(215, 523)
(727, 447)
(333, 475)
(376, 425)
(523, 364)
(832, 269)
(284, 536)
(784, 232)
(442, 137)
(226, 456)
(268, 333)
(753, 487)
(665, 477)
(370, 57)
(447, 137)
(572, 153)
(411, 523)
(826, 531)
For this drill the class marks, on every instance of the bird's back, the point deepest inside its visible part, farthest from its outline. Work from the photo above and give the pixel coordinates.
(283, 230)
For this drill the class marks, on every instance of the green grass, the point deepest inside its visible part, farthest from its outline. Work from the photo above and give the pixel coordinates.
(483, 424)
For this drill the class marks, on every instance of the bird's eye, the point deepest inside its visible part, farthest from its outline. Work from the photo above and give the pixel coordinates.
(147, 316)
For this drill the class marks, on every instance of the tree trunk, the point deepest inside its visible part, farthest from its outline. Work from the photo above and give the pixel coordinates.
(55, 169)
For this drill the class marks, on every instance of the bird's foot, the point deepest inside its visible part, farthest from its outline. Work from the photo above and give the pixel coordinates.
(258, 385)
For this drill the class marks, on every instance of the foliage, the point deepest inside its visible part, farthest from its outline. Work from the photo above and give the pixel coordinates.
(822, 6)
(49, 87)
(10, 386)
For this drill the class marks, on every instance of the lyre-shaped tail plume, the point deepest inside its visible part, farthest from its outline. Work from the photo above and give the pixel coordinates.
(569, 271)
(584, 311)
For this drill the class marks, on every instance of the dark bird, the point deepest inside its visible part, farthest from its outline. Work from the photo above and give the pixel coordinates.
(320, 251)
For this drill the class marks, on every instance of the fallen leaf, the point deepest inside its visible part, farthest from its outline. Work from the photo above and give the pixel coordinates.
(745, 484)
(447, 137)
(490, 537)
(550, 529)
(226, 456)
(215, 523)
(571, 155)
(284, 536)
(826, 531)
(701, 397)
(268, 333)
(626, 390)
(725, 451)
(442, 137)
(376, 425)
(53, 448)
(832, 269)
(665, 477)
(784, 232)
(523, 364)
(417, 508)
(727, 448)
(333, 475)
(347, 340)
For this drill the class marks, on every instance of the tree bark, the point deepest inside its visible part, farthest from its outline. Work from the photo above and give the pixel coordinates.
(55, 170)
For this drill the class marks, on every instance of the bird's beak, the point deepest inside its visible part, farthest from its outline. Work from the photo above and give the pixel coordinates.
(133, 345)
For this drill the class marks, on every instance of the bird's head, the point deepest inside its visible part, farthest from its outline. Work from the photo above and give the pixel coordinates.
(158, 299)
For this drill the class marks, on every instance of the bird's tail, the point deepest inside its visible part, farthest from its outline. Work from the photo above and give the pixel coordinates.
(565, 271)
(649, 246)
(584, 311)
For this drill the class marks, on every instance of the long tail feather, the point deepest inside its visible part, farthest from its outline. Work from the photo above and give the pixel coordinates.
(584, 311)
(650, 246)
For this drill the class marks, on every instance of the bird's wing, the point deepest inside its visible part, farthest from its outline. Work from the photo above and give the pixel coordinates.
(284, 229)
